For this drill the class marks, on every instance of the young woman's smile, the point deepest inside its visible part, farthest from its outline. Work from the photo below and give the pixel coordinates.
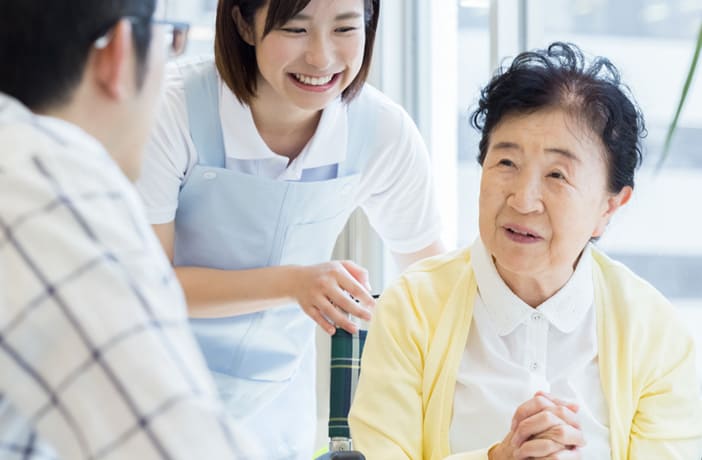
(317, 84)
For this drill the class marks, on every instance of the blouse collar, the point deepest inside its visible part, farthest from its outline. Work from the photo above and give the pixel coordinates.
(565, 309)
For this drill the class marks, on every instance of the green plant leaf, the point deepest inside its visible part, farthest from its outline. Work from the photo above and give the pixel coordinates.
(681, 103)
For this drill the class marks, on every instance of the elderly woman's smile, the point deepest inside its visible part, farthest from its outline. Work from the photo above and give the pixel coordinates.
(543, 196)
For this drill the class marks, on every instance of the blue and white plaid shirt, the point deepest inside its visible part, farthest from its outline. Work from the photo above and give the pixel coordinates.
(96, 357)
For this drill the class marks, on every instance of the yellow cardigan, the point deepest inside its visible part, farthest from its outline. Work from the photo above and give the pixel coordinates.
(404, 402)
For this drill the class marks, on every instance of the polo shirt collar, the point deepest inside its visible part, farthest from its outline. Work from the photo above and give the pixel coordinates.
(243, 142)
(64, 132)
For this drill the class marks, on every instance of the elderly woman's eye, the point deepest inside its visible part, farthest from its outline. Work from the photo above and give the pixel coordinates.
(506, 162)
(556, 175)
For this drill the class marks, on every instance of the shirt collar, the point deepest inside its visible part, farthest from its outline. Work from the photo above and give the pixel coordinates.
(565, 309)
(11, 110)
(327, 146)
(71, 134)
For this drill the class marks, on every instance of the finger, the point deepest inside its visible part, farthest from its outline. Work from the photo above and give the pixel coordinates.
(542, 422)
(566, 414)
(351, 285)
(564, 434)
(343, 301)
(540, 402)
(318, 318)
(538, 448)
(359, 273)
(529, 408)
(335, 315)
(565, 454)
(563, 402)
(558, 418)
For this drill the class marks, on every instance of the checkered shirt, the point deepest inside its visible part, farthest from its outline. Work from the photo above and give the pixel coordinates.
(96, 357)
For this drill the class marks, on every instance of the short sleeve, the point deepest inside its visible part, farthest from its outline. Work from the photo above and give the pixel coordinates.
(397, 192)
(169, 154)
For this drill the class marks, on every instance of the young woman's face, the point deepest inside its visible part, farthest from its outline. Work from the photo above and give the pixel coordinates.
(313, 57)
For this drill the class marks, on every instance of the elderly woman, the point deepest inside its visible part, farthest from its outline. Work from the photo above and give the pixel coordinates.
(532, 343)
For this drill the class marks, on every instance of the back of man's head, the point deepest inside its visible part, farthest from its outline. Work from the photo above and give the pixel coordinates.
(45, 44)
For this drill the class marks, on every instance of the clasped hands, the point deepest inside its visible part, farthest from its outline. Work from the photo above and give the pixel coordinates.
(544, 428)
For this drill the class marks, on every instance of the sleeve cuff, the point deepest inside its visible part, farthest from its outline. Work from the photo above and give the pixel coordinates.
(160, 216)
(415, 244)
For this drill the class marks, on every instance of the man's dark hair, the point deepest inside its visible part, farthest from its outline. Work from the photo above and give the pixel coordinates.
(44, 45)
(558, 77)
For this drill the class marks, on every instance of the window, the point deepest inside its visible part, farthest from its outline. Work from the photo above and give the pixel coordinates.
(651, 42)
(201, 15)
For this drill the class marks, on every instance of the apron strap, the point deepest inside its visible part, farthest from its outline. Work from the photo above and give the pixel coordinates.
(362, 116)
(202, 99)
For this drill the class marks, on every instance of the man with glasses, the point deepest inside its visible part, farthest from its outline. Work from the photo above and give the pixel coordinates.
(96, 358)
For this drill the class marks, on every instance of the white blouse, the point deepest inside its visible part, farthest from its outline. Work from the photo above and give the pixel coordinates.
(514, 350)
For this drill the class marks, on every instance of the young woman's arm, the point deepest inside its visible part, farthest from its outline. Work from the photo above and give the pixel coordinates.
(322, 290)
(405, 260)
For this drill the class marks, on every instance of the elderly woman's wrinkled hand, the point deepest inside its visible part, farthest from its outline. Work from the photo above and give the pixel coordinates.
(544, 427)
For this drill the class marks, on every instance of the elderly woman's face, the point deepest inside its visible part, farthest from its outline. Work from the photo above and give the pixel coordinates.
(543, 194)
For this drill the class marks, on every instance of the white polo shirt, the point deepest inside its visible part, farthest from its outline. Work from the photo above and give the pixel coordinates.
(395, 189)
(514, 350)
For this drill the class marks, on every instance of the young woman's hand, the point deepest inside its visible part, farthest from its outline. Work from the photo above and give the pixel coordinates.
(543, 427)
(326, 292)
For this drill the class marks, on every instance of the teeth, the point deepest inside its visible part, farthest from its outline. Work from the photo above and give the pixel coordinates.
(313, 81)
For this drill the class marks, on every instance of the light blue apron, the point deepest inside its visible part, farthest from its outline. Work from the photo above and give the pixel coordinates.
(263, 363)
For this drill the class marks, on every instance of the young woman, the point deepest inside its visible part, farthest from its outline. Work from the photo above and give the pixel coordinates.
(257, 161)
